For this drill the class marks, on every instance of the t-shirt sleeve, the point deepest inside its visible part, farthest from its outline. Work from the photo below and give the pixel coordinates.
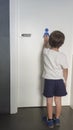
(63, 61)
(45, 50)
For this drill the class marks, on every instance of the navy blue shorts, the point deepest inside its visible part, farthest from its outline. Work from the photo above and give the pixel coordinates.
(54, 88)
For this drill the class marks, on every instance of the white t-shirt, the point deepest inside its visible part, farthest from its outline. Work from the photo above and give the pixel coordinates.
(54, 62)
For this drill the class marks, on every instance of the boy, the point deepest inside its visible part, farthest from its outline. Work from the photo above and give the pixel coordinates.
(55, 75)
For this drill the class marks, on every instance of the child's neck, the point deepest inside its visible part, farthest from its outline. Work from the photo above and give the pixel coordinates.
(55, 49)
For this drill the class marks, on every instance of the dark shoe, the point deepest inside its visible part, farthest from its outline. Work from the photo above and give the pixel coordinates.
(56, 122)
(50, 123)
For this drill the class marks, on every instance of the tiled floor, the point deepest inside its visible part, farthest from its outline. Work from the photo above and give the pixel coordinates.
(31, 119)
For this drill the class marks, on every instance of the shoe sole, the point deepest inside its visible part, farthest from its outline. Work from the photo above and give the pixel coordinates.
(51, 127)
(58, 125)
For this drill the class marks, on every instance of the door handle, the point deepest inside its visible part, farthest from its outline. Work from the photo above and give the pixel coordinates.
(26, 34)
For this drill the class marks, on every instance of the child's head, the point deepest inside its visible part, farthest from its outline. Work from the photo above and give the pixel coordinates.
(56, 39)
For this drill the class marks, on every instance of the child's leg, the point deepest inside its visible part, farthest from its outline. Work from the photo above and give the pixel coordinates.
(49, 107)
(58, 106)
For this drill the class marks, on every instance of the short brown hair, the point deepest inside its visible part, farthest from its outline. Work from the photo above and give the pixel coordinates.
(56, 39)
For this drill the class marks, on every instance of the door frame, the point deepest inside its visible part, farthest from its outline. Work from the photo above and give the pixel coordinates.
(13, 57)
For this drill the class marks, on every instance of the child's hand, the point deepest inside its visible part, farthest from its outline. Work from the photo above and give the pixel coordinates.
(46, 39)
(65, 82)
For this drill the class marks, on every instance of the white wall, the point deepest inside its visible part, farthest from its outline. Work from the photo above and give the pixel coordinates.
(71, 98)
(71, 89)
(59, 17)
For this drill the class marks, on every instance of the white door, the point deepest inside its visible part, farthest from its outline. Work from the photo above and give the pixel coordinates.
(33, 17)
(30, 44)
